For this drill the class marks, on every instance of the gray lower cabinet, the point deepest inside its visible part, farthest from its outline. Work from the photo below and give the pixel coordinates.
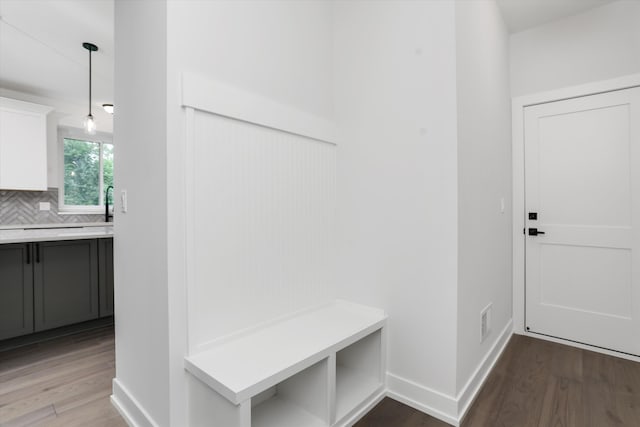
(105, 266)
(65, 285)
(16, 290)
(45, 285)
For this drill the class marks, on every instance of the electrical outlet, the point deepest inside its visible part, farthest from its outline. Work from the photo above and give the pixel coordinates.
(45, 206)
(485, 322)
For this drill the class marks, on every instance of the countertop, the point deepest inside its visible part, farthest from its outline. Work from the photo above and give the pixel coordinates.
(49, 232)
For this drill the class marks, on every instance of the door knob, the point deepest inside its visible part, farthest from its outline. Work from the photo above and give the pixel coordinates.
(535, 232)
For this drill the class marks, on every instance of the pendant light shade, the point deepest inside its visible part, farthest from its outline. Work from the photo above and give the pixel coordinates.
(89, 123)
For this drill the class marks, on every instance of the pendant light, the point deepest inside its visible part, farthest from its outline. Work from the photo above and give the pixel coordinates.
(89, 122)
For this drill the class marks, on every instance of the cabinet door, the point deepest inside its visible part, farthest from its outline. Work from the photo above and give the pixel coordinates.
(16, 290)
(105, 249)
(23, 146)
(65, 283)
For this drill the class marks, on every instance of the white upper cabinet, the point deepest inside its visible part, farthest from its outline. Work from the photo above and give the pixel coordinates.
(23, 145)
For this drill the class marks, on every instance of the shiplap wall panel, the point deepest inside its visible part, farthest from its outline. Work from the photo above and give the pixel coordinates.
(263, 225)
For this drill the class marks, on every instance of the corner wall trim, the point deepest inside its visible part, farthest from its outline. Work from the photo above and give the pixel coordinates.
(470, 390)
(363, 411)
(424, 399)
(129, 408)
(222, 99)
(447, 408)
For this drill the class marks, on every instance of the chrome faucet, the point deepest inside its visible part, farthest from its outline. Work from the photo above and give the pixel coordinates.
(106, 204)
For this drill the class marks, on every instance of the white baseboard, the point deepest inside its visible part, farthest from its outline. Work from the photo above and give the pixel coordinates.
(470, 390)
(447, 408)
(424, 399)
(361, 412)
(129, 408)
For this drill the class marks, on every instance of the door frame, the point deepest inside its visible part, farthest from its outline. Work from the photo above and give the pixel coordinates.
(518, 197)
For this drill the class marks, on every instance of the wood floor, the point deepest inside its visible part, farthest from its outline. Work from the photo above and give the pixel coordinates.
(61, 382)
(537, 383)
(67, 382)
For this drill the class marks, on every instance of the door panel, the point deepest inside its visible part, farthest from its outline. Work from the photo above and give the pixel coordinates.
(16, 290)
(582, 178)
(584, 155)
(588, 279)
(65, 283)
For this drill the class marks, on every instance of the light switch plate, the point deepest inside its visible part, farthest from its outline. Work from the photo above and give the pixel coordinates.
(123, 201)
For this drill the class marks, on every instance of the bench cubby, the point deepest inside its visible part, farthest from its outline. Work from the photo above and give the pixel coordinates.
(317, 368)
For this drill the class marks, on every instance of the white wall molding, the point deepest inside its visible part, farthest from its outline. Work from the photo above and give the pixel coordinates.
(443, 406)
(424, 399)
(361, 412)
(518, 105)
(218, 98)
(271, 194)
(130, 409)
(593, 88)
(470, 390)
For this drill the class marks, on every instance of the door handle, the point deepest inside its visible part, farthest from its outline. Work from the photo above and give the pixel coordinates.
(535, 232)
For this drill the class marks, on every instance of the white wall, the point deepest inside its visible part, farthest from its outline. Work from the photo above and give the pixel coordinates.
(264, 199)
(140, 235)
(279, 49)
(386, 73)
(263, 216)
(599, 44)
(395, 101)
(484, 178)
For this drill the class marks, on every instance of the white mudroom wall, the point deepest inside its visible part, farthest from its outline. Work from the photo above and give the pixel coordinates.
(599, 44)
(263, 197)
(141, 387)
(484, 191)
(395, 80)
(263, 222)
(259, 218)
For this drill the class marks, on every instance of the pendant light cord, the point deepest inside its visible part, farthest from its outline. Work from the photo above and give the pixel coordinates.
(89, 82)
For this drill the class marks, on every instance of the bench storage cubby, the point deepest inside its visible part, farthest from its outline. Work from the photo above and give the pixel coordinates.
(318, 368)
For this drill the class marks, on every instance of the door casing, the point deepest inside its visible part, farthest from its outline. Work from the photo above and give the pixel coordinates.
(518, 105)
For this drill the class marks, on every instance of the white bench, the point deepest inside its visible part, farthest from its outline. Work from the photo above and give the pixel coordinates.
(322, 367)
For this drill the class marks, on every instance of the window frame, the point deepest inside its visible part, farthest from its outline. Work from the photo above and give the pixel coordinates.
(78, 134)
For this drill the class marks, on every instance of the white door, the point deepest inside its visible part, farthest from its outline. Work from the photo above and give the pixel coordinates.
(582, 190)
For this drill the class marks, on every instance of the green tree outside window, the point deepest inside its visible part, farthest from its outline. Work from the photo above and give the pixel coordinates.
(83, 181)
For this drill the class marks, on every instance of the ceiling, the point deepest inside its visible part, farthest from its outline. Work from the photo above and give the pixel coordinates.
(520, 15)
(42, 58)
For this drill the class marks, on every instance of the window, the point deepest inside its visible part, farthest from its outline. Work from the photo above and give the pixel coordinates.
(87, 172)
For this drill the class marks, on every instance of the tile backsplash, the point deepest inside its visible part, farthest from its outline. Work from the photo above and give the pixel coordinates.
(22, 207)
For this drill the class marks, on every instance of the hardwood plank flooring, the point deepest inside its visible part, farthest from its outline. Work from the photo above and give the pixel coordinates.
(67, 382)
(61, 382)
(538, 383)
